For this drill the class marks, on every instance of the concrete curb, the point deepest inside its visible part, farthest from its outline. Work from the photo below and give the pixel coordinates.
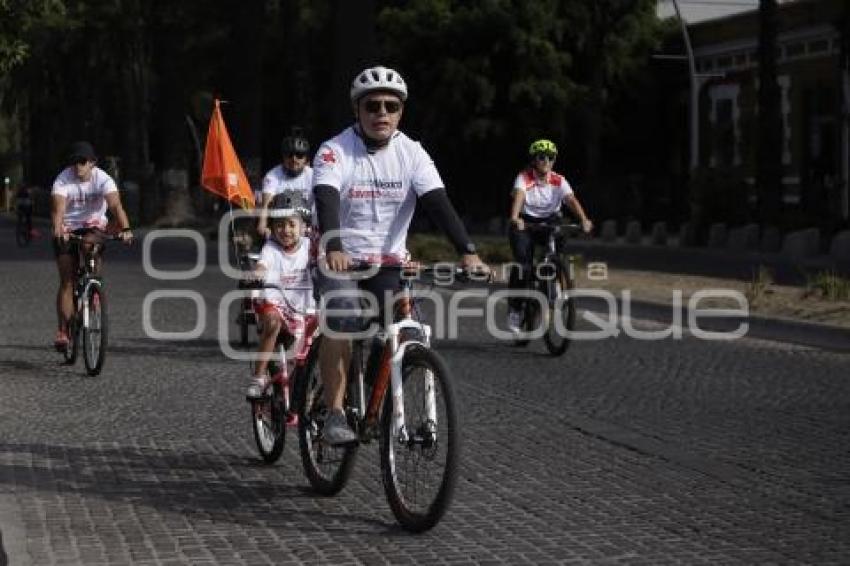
(776, 329)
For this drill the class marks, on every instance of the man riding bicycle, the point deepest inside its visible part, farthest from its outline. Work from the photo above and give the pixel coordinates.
(538, 193)
(81, 195)
(367, 181)
(293, 173)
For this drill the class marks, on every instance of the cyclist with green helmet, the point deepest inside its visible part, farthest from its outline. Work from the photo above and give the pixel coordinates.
(538, 194)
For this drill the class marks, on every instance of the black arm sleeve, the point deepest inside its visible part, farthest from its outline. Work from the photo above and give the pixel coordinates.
(327, 211)
(438, 206)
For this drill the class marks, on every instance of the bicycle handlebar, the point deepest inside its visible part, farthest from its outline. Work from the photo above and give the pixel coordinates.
(552, 227)
(413, 270)
(103, 236)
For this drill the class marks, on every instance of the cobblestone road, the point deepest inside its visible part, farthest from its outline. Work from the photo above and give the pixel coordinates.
(622, 451)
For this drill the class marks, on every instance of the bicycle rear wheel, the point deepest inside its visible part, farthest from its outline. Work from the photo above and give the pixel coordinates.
(556, 341)
(420, 471)
(94, 330)
(268, 417)
(327, 467)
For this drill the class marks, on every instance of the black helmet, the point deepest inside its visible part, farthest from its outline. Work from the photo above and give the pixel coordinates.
(295, 142)
(289, 203)
(81, 150)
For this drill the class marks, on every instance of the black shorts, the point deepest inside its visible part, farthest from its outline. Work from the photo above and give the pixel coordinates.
(351, 295)
(70, 247)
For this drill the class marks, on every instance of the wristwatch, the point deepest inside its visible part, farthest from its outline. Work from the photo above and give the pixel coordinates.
(469, 249)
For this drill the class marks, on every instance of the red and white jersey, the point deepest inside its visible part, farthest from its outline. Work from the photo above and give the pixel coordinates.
(543, 197)
(377, 191)
(85, 201)
(290, 271)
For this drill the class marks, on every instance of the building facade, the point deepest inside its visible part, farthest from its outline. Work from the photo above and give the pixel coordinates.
(812, 74)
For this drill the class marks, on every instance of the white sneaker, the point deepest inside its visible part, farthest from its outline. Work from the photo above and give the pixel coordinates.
(514, 321)
(257, 389)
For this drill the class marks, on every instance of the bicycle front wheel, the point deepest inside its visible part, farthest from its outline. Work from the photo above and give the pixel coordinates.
(419, 463)
(70, 351)
(561, 318)
(268, 418)
(327, 467)
(94, 330)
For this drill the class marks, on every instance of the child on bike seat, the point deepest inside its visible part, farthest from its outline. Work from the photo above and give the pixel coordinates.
(284, 268)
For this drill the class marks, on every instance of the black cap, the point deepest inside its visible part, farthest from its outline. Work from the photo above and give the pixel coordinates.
(81, 149)
(295, 142)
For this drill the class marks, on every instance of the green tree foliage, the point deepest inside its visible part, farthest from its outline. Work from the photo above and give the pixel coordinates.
(19, 20)
(488, 76)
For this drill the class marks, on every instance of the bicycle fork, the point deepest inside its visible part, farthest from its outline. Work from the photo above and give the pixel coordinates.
(83, 300)
(395, 361)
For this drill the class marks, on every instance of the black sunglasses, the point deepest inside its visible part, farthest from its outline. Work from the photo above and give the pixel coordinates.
(545, 156)
(374, 106)
(296, 154)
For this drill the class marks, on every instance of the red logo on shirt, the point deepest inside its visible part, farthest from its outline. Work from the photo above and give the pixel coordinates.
(329, 156)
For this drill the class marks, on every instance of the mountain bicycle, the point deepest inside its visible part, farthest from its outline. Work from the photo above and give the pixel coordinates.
(89, 319)
(399, 392)
(554, 277)
(270, 414)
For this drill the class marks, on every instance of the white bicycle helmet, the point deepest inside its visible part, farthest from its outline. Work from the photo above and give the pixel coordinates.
(289, 203)
(378, 78)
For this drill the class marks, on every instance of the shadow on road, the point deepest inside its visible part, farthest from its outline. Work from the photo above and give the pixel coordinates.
(221, 487)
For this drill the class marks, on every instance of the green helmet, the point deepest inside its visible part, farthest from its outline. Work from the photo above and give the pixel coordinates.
(542, 146)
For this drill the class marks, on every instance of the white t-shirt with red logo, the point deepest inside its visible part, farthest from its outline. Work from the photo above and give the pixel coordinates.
(290, 271)
(543, 197)
(276, 181)
(377, 191)
(85, 201)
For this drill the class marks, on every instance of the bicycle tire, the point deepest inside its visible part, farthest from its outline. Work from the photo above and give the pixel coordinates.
(557, 344)
(70, 352)
(327, 467)
(529, 317)
(268, 422)
(95, 334)
(394, 455)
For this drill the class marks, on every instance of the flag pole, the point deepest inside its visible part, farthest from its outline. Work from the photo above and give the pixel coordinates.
(229, 202)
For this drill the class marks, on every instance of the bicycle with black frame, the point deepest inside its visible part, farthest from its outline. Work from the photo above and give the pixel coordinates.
(553, 276)
(89, 321)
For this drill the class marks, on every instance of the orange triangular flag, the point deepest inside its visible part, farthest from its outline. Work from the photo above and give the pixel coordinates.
(223, 174)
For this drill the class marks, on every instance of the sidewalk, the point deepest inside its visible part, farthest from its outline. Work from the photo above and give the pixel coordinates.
(707, 262)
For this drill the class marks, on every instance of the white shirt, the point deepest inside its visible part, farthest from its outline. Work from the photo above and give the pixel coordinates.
(377, 191)
(543, 197)
(291, 271)
(276, 181)
(85, 201)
